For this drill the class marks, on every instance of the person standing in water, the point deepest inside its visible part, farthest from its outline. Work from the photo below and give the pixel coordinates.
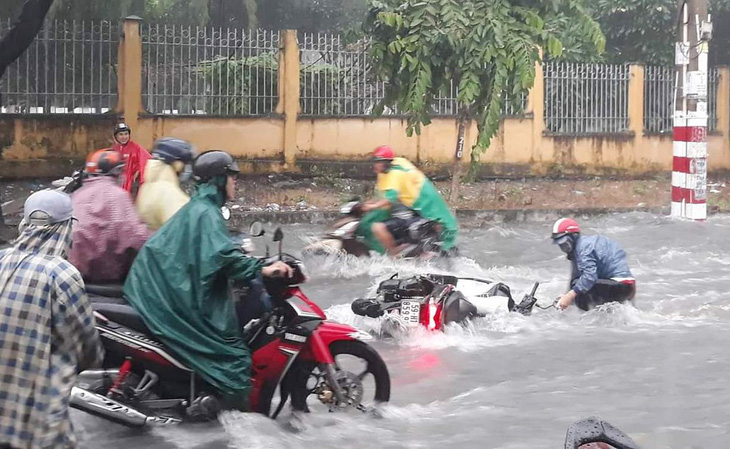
(600, 271)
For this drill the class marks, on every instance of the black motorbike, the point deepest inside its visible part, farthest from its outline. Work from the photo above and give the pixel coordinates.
(423, 238)
(433, 300)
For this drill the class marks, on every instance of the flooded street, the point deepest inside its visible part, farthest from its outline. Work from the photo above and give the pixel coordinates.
(658, 371)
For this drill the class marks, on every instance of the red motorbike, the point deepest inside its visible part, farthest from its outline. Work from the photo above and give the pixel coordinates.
(311, 361)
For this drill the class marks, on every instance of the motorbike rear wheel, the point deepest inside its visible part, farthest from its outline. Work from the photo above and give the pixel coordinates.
(361, 374)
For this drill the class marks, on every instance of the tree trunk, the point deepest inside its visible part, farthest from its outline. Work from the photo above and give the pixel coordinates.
(23, 31)
(456, 171)
(251, 12)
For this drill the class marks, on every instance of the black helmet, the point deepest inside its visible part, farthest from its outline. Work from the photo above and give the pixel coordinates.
(169, 150)
(214, 163)
(121, 127)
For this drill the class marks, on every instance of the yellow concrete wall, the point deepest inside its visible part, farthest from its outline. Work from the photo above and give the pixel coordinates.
(45, 138)
(247, 138)
(285, 138)
(24, 138)
(39, 146)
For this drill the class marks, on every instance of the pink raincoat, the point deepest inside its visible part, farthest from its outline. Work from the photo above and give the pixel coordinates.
(135, 160)
(108, 233)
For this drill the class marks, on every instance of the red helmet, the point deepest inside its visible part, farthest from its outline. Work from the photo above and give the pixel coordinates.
(102, 162)
(565, 226)
(383, 153)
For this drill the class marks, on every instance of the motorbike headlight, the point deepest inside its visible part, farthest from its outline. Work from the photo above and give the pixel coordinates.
(347, 208)
(360, 335)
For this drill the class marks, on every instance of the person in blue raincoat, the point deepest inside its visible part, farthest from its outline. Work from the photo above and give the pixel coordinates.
(600, 271)
(179, 283)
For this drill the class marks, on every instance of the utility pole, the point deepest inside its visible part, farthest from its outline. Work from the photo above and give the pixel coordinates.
(689, 172)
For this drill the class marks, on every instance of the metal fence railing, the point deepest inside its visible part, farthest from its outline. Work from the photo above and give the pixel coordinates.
(586, 99)
(69, 68)
(713, 82)
(336, 80)
(201, 70)
(659, 92)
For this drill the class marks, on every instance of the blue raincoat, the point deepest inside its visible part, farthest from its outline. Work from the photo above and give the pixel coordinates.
(597, 257)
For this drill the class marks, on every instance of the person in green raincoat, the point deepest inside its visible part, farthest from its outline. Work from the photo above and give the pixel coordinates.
(179, 283)
(401, 183)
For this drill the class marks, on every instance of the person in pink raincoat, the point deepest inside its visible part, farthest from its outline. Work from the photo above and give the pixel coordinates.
(135, 158)
(109, 233)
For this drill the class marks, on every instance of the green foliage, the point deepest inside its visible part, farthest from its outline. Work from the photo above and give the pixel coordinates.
(319, 78)
(311, 15)
(488, 48)
(237, 80)
(645, 30)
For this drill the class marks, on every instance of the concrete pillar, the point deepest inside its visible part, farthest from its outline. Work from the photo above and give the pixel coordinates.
(536, 107)
(636, 107)
(289, 95)
(129, 76)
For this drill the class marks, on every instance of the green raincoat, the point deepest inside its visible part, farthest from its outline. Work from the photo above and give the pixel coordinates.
(405, 184)
(179, 284)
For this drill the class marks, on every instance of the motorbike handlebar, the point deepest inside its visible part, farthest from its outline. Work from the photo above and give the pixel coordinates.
(276, 286)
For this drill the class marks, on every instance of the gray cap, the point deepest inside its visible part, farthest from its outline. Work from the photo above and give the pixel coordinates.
(47, 207)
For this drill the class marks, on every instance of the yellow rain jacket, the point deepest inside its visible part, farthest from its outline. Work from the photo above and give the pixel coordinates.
(406, 184)
(160, 197)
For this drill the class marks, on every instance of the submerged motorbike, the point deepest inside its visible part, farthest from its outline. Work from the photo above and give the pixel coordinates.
(423, 238)
(311, 361)
(433, 301)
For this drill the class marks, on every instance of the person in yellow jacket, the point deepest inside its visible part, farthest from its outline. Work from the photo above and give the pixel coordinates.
(400, 184)
(160, 197)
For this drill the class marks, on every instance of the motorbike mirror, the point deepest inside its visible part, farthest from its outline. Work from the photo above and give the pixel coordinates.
(278, 235)
(226, 212)
(256, 229)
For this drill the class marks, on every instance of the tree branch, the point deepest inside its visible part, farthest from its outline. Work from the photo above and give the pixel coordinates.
(22, 32)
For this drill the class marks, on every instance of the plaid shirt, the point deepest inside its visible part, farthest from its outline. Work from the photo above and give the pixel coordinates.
(47, 335)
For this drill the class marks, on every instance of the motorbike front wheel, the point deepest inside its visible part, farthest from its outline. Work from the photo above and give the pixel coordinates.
(359, 371)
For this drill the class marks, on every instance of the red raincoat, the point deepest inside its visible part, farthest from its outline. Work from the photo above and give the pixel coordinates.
(135, 158)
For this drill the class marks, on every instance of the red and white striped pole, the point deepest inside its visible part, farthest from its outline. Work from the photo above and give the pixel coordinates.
(689, 172)
(689, 168)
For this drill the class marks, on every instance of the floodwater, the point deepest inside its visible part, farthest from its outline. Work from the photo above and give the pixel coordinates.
(658, 371)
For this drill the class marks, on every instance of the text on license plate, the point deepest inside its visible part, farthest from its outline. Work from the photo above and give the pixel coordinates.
(410, 312)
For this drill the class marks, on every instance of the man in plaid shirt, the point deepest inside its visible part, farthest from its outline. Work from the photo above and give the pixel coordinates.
(47, 332)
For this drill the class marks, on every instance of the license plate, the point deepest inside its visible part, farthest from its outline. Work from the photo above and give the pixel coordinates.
(410, 312)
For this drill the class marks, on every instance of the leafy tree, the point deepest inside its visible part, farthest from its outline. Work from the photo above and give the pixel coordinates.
(488, 48)
(645, 30)
(311, 15)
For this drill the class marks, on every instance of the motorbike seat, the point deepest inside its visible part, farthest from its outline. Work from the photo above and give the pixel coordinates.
(107, 290)
(117, 310)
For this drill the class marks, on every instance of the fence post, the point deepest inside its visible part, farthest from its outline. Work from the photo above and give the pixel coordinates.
(636, 104)
(723, 105)
(289, 96)
(536, 106)
(129, 76)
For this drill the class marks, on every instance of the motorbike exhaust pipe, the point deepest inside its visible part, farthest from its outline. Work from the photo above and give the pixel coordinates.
(114, 411)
